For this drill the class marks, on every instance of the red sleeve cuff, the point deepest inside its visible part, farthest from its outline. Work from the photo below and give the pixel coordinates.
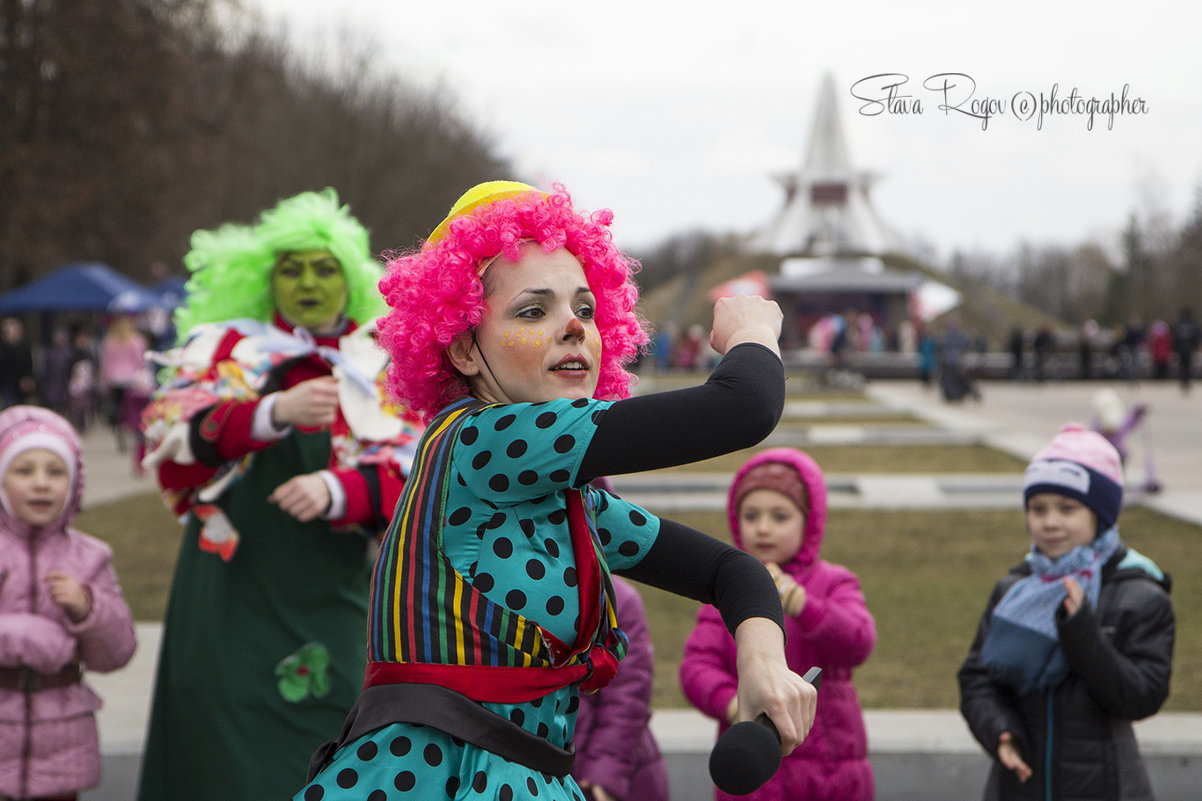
(228, 425)
(366, 505)
(358, 499)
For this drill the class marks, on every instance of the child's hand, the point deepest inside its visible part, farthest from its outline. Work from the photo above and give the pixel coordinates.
(304, 497)
(1010, 757)
(792, 594)
(1076, 596)
(67, 593)
(599, 793)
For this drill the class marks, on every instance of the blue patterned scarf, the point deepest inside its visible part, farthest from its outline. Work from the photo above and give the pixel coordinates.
(1022, 648)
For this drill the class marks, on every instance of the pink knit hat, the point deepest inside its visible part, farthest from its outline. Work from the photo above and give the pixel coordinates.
(1080, 464)
(777, 476)
(23, 428)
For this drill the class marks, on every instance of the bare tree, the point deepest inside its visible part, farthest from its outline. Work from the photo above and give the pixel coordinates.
(128, 124)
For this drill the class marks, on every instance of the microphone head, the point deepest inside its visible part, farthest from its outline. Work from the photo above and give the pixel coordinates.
(745, 756)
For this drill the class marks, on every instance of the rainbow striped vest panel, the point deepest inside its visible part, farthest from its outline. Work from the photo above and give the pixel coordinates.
(427, 623)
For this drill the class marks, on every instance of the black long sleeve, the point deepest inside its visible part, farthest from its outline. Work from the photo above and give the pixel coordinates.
(688, 562)
(737, 407)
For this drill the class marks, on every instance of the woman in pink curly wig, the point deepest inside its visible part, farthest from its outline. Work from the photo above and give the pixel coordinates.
(437, 293)
(492, 603)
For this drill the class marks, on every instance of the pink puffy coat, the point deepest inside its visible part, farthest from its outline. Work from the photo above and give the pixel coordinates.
(48, 739)
(834, 631)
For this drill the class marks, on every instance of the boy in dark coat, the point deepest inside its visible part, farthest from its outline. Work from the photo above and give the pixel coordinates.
(1075, 643)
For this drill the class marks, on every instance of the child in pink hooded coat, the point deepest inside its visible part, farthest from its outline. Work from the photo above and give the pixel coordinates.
(777, 512)
(61, 610)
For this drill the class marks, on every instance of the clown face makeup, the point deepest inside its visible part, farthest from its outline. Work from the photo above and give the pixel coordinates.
(310, 289)
(538, 339)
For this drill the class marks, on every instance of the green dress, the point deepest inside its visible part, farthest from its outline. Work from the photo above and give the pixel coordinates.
(264, 641)
(223, 695)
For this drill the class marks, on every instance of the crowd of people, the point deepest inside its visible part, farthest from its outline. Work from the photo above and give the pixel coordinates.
(403, 572)
(87, 372)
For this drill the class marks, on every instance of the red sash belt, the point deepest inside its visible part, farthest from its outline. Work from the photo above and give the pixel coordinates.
(497, 684)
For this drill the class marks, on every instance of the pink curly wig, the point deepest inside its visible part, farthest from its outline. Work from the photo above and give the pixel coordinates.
(436, 293)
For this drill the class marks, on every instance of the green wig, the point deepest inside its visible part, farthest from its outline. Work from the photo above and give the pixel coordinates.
(231, 266)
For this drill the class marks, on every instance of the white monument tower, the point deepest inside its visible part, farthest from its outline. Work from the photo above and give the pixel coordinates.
(827, 209)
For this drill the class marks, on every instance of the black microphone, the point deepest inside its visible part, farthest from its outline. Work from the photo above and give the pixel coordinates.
(748, 753)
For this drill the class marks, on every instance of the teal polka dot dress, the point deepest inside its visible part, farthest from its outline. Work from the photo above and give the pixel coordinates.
(506, 532)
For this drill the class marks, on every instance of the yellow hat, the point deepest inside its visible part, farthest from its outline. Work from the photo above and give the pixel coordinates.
(479, 195)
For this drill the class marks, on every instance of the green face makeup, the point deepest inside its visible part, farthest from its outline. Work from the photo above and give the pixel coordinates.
(310, 289)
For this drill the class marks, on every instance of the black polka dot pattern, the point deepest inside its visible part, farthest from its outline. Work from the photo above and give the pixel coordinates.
(516, 465)
(505, 529)
(383, 766)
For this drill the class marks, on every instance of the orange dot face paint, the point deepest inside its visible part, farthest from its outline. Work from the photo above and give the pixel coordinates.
(524, 337)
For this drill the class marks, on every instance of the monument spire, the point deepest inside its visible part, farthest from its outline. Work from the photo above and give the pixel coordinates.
(827, 209)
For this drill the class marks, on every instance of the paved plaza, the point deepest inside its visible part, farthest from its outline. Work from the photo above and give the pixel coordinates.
(917, 754)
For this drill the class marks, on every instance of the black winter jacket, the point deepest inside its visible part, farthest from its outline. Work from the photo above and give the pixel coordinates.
(1077, 738)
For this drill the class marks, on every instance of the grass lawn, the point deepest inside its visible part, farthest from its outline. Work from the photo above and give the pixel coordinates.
(906, 459)
(145, 539)
(926, 575)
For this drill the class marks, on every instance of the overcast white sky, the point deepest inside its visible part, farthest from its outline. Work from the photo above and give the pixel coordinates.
(676, 115)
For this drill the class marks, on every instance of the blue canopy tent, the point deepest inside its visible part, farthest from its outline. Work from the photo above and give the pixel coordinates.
(171, 291)
(85, 286)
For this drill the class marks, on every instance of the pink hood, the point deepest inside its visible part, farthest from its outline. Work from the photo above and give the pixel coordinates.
(815, 485)
(16, 424)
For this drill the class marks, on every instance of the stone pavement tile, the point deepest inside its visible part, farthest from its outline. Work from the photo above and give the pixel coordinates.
(1020, 418)
(125, 694)
(900, 491)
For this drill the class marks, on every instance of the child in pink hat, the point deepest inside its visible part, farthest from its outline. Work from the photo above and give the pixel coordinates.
(1076, 641)
(62, 613)
(776, 507)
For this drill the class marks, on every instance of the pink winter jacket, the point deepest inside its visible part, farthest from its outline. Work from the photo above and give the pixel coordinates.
(48, 739)
(834, 631)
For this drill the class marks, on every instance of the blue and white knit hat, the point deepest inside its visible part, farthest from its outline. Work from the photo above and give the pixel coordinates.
(1083, 465)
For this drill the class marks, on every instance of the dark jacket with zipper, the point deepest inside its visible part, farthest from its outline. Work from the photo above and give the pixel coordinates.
(1077, 737)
